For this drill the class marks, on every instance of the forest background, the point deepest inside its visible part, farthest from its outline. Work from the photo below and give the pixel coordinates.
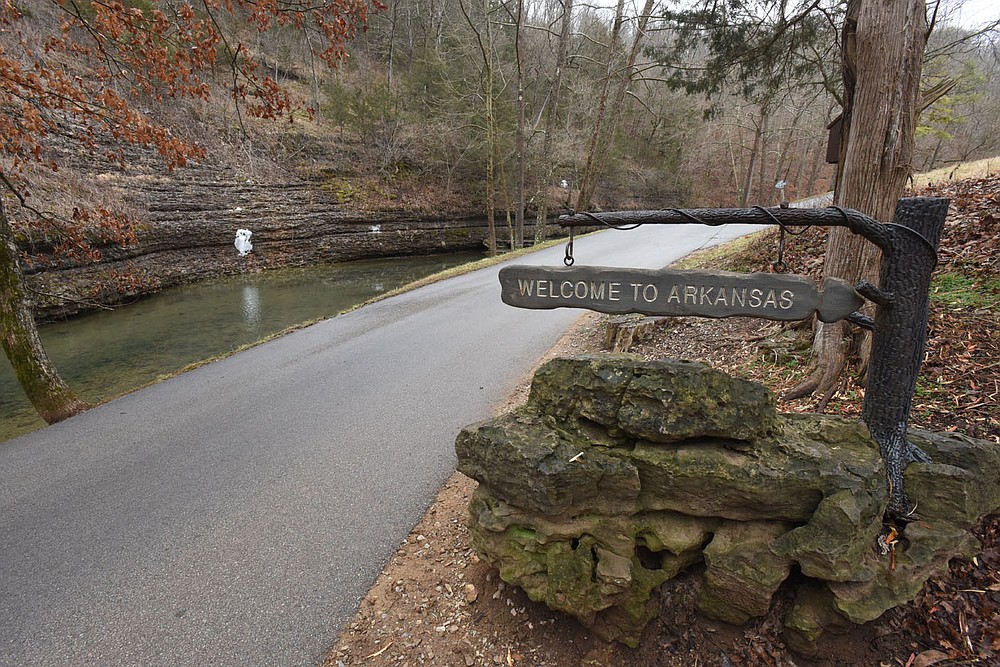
(462, 106)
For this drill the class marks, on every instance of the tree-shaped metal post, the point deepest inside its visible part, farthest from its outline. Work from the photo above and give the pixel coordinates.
(909, 254)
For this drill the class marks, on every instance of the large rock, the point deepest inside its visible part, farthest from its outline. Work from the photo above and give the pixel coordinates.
(741, 571)
(811, 616)
(923, 552)
(618, 474)
(599, 568)
(835, 544)
(961, 484)
(784, 478)
(523, 458)
(660, 401)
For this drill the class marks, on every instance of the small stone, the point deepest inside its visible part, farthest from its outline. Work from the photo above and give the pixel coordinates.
(471, 594)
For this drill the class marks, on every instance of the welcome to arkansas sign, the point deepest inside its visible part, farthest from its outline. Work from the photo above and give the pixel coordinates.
(678, 292)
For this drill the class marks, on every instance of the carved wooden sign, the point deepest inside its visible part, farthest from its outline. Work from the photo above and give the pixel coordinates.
(677, 292)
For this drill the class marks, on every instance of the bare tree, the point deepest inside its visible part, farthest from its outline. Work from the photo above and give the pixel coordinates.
(552, 109)
(484, 41)
(617, 80)
(881, 42)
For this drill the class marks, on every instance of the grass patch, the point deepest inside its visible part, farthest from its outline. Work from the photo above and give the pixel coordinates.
(960, 290)
(978, 169)
(735, 253)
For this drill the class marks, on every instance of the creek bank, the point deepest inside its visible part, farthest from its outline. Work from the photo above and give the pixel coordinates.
(188, 222)
(619, 474)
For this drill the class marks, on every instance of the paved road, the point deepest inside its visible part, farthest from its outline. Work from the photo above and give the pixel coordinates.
(236, 515)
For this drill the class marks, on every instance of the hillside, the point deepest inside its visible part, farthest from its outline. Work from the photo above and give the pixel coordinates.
(418, 132)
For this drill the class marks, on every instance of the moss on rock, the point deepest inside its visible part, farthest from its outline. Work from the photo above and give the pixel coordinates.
(619, 474)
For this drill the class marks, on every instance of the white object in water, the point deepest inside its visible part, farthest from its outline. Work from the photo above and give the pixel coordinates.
(243, 245)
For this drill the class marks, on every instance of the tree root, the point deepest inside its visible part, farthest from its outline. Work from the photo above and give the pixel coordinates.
(825, 380)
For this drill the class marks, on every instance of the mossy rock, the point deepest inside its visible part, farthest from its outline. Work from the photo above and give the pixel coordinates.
(659, 401)
(585, 387)
(835, 544)
(811, 616)
(619, 474)
(960, 485)
(673, 532)
(785, 478)
(671, 401)
(923, 551)
(520, 457)
(599, 569)
(741, 571)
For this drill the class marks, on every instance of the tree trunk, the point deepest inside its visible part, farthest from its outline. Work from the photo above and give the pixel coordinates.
(883, 42)
(551, 116)
(752, 165)
(484, 40)
(763, 187)
(519, 139)
(392, 43)
(610, 111)
(588, 180)
(818, 149)
(491, 149)
(784, 164)
(50, 396)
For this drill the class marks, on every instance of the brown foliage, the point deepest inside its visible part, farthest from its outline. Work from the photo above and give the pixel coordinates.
(85, 75)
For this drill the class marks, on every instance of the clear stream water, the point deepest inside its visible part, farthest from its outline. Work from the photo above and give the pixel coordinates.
(106, 354)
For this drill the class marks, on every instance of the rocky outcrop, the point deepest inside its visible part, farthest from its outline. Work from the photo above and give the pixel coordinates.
(618, 474)
(189, 222)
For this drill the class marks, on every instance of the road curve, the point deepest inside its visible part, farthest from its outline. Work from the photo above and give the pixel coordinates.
(236, 514)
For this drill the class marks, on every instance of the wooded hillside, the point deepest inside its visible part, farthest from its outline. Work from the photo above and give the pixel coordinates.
(453, 109)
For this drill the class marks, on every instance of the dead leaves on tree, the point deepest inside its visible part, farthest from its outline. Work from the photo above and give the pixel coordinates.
(89, 76)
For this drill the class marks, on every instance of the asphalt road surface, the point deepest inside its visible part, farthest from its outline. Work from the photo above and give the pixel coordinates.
(237, 514)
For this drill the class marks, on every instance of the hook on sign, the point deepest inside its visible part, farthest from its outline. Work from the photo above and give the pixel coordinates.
(779, 265)
(568, 259)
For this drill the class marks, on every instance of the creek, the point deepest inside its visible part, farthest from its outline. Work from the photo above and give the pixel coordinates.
(105, 354)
